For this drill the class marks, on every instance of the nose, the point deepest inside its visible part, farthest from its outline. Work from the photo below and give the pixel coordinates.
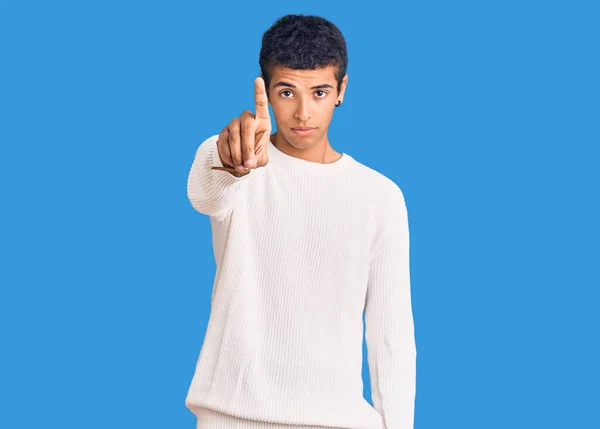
(302, 112)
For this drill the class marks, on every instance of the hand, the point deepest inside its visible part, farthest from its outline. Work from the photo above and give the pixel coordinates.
(242, 144)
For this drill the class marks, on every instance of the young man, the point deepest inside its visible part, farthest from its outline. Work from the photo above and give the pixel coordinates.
(305, 238)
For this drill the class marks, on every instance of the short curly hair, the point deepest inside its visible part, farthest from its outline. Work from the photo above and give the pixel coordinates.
(303, 42)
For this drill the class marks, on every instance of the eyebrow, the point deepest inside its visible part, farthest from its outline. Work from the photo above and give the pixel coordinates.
(325, 85)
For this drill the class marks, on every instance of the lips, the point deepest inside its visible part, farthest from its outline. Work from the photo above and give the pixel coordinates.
(303, 131)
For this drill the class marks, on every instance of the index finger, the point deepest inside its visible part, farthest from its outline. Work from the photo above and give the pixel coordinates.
(261, 102)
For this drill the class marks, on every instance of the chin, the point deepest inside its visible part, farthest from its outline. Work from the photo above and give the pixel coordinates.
(300, 142)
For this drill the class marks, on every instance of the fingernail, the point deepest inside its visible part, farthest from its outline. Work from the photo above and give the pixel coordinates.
(239, 168)
(249, 163)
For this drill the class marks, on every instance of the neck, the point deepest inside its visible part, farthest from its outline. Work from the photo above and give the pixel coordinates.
(321, 153)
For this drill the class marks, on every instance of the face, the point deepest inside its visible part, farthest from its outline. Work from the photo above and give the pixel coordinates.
(304, 99)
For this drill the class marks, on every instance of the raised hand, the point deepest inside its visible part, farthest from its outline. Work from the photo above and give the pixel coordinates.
(242, 144)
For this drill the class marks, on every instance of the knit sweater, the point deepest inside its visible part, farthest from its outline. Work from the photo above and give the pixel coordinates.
(301, 250)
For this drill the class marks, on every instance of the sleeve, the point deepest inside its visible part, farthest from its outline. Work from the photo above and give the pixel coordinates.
(211, 192)
(389, 335)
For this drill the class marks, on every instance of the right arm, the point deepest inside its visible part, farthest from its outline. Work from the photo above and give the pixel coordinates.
(213, 180)
(211, 192)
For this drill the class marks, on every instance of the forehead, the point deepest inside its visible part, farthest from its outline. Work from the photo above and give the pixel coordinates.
(304, 77)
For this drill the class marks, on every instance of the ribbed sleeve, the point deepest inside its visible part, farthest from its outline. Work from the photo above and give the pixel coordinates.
(389, 335)
(211, 192)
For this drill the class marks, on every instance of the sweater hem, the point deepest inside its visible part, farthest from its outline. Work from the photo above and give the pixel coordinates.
(210, 419)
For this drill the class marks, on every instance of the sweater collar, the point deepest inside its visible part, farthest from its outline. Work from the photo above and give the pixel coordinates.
(292, 163)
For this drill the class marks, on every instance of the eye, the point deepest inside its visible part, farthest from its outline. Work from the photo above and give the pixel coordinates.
(317, 91)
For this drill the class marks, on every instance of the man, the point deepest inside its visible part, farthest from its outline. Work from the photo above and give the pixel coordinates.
(305, 238)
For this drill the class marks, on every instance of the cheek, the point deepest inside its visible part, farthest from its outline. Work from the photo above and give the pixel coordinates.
(284, 112)
(280, 112)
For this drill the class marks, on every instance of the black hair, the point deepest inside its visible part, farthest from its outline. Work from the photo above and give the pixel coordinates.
(303, 42)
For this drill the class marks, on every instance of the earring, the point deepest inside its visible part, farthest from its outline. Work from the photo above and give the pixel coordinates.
(338, 103)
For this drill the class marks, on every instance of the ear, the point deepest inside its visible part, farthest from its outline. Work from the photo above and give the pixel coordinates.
(343, 88)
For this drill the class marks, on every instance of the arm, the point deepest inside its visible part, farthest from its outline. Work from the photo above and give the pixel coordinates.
(211, 192)
(212, 186)
(389, 322)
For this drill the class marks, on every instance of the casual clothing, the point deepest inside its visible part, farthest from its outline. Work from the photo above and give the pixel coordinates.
(301, 249)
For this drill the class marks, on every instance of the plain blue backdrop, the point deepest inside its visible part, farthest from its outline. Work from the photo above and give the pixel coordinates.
(485, 113)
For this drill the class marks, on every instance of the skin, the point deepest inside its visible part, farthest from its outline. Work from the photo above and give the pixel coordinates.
(243, 141)
(305, 107)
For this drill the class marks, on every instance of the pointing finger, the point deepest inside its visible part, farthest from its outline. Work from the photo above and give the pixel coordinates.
(261, 101)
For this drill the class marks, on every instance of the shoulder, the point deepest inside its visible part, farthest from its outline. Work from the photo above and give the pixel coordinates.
(385, 192)
(386, 203)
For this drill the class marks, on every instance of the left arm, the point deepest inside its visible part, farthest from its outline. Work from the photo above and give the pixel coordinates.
(389, 323)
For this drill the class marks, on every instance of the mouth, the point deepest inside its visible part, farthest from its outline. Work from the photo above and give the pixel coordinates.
(303, 131)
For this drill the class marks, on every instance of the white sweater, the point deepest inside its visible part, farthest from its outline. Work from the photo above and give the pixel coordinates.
(301, 249)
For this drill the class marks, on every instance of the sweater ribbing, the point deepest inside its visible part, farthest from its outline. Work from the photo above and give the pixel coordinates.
(301, 249)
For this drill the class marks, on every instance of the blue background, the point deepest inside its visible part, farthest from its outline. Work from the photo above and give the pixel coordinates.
(486, 114)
